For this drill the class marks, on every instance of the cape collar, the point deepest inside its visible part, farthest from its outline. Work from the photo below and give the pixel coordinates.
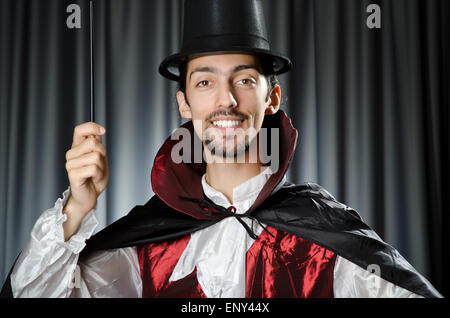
(171, 181)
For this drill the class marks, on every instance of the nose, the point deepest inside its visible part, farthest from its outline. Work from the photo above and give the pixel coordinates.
(225, 96)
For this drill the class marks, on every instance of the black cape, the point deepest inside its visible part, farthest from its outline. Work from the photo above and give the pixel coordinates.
(307, 211)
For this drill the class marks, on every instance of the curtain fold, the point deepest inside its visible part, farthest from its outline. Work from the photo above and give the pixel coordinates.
(371, 107)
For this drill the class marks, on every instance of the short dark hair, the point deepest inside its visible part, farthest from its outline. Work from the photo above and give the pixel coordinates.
(272, 80)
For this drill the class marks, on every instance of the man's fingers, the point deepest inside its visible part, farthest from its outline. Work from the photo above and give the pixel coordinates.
(86, 160)
(79, 175)
(88, 145)
(81, 132)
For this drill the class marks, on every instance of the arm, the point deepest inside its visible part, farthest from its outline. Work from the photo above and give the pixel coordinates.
(49, 266)
(88, 173)
(43, 269)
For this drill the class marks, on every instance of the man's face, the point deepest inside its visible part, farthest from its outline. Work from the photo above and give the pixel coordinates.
(227, 97)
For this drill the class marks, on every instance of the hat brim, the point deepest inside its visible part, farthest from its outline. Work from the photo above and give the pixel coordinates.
(169, 68)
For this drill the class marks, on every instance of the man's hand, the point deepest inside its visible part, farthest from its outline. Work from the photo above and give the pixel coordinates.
(88, 172)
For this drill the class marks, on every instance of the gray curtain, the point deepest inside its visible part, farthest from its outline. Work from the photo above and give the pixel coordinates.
(371, 107)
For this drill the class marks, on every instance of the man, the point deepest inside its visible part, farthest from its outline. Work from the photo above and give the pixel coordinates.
(227, 226)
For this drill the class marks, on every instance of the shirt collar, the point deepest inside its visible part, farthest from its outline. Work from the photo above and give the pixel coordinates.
(244, 194)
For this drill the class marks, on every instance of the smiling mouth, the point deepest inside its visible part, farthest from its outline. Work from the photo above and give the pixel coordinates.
(227, 123)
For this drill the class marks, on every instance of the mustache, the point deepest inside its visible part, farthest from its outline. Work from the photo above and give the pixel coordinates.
(227, 112)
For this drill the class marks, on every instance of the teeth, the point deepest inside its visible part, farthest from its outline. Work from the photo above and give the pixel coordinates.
(226, 123)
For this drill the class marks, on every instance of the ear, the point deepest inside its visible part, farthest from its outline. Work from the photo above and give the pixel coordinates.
(273, 104)
(183, 107)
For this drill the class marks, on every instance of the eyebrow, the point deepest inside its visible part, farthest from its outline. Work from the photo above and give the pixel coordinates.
(209, 69)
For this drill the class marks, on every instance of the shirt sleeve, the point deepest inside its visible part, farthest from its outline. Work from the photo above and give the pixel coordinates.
(353, 281)
(105, 274)
(50, 267)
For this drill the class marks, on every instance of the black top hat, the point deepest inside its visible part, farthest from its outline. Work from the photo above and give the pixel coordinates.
(224, 26)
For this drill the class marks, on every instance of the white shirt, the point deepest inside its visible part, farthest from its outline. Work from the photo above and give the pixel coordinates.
(221, 269)
(49, 267)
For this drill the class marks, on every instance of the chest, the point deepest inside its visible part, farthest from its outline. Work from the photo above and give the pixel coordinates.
(276, 265)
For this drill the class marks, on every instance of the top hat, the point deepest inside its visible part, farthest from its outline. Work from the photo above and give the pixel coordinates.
(224, 26)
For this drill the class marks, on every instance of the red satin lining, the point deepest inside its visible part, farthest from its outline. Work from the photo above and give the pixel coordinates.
(171, 180)
(157, 262)
(288, 266)
(279, 266)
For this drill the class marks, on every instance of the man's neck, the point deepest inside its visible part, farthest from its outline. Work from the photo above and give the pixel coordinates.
(224, 177)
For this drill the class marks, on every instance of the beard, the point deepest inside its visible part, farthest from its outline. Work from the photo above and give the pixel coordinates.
(233, 143)
(227, 146)
(230, 146)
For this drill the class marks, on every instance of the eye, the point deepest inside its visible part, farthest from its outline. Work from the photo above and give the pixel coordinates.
(203, 83)
(246, 81)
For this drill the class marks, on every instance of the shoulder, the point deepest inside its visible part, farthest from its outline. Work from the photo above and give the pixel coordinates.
(315, 197)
